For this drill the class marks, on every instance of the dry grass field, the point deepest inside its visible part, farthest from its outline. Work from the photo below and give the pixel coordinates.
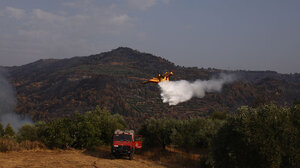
(69, 159)
(99, 158)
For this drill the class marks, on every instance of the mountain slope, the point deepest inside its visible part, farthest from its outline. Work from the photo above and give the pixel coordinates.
(55, 88)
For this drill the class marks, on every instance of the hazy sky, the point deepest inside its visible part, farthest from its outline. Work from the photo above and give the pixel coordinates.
(227, 34)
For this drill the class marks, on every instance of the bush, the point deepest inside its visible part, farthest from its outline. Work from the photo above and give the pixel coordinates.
(221, 115)
(12, 145)
(195, 133)
(96, 127)
(267, 136)
(83, 131)
(186, 134)
(86, 132)
(157, 133)
(27, 132)
(57, 133)
(106, 123)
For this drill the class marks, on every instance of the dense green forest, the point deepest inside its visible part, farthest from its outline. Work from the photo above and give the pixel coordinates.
(265, 136)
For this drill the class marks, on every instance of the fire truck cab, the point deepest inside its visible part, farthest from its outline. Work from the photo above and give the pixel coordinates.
(125, 143)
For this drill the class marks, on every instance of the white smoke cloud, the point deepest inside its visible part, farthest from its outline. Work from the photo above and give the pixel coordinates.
(8, 103)
(175, 92)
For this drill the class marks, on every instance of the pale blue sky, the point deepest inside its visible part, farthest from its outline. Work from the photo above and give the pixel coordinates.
(226, 34)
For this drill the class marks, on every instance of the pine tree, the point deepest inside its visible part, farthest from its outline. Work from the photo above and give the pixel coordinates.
(9, 131)
(1, 130)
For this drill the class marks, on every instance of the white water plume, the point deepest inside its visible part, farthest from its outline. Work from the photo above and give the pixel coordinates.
(175, 92)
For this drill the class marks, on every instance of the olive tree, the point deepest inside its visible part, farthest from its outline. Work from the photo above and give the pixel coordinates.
(258, 137)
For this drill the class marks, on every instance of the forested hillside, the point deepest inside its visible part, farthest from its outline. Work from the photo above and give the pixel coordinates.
(54, 88)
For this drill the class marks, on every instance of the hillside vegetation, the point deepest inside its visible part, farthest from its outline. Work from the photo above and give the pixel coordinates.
(266, 136)
(54, 88)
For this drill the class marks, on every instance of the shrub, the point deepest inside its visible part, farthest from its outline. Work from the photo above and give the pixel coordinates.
(221, 115)
(157, 132)
(107, 123)
(57, 133)
(29, 145)
(96, 127)
(195, 133)
(27, 132)
(261, 137)
(8, 145)
(86, 133)
(82, 131)
(186, 134)
(12, 145)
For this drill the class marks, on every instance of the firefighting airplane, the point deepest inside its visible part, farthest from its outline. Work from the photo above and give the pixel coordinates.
(160, 78)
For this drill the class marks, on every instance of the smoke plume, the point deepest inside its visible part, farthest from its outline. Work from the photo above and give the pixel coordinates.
(175, 92)
(8, 103)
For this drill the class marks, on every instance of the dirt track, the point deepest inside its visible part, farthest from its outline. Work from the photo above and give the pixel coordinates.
(69, 159)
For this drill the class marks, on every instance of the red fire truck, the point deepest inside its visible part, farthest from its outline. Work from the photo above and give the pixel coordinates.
(125, 143)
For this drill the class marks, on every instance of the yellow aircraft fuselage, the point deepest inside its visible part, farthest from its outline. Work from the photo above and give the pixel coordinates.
(160, 78)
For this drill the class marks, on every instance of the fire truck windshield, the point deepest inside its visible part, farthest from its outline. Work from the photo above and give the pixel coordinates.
(122, 137)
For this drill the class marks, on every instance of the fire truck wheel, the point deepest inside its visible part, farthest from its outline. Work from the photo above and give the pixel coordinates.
(130, 156)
